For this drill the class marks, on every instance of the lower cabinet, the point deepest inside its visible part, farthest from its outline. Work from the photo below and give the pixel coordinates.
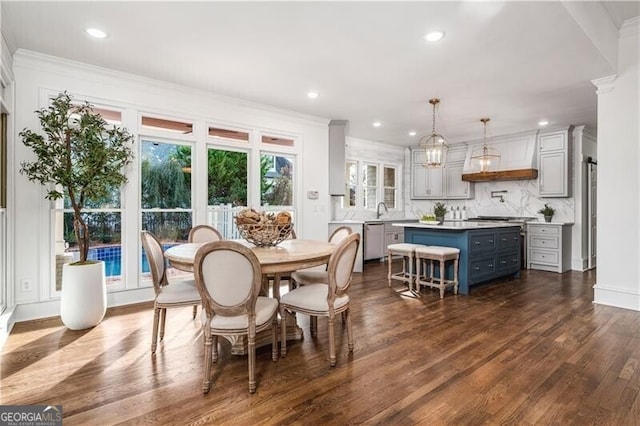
(392, 235)
(493, 253)
(549, 246)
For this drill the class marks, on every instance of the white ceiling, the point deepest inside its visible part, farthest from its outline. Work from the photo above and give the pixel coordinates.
(515, 62)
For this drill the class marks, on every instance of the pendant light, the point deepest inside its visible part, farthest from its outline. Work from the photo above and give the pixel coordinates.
(435, 146)
(487, 158)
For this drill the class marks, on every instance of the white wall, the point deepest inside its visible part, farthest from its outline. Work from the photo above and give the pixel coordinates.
(618, 242)
(37, 75)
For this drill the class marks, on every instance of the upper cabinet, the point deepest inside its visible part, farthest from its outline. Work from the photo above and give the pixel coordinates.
(439, 182)
(554, 154)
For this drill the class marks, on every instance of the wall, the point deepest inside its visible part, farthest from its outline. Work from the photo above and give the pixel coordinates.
(37, 74)
(618, 241)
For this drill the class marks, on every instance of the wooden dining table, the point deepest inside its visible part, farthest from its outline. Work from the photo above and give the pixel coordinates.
(275, 262)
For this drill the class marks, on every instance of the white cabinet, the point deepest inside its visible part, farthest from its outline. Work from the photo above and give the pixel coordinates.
(549, 246)
(439, 182)
(554, 150)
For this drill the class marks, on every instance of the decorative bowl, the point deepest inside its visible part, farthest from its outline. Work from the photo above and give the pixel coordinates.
(264, 234)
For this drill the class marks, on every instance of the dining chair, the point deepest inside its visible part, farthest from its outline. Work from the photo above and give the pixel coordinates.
(319, 275)
(322, 300)
(168, 294)
(204, 234)
(228, 277)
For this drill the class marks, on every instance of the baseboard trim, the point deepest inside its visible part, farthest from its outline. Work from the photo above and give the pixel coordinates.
(7, 319)
(51, 308)
(620, 298)
(579, 264)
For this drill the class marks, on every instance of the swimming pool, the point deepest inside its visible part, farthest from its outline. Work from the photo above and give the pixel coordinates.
(112, 257)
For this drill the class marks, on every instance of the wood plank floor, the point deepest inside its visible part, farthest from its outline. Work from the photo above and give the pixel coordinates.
(526, 351)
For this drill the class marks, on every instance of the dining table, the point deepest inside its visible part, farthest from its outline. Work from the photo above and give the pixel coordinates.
(275, 262)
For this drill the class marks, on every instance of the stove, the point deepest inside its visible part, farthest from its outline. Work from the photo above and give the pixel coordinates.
(522, 220)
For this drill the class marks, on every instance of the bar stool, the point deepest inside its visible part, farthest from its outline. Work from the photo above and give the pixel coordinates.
(407, 251)
(442, 255)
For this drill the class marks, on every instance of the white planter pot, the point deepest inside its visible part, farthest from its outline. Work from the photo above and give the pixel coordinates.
(83, 302)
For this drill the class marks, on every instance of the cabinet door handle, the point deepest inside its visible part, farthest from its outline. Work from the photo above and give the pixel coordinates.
(504, 239)
(490, 241)
(490, 265)
(503, 262)
(476, 268)
(477, 243)
(515, 238)
(514, 260)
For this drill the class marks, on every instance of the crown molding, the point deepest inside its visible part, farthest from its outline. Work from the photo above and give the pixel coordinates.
(604, 84)
(631, 27)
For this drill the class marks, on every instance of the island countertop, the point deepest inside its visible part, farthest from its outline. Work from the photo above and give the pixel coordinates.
(457, 225)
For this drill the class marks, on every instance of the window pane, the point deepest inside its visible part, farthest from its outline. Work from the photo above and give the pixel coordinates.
(369, 200)
(167, 226)
(227, 181)
(273, 140)
(233, 135)
(369, 175)
(276, 180)
(390, 198)
(389, 177)
(105, 242)
(351, 180)
(165, 175)
(167, 125)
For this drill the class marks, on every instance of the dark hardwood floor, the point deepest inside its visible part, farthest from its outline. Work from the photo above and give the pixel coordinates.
(527, 351)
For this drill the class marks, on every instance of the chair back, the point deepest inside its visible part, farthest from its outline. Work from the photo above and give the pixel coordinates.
(339, 234)
(204, 234)
(228, 278)
(341, 265)
(155, 257)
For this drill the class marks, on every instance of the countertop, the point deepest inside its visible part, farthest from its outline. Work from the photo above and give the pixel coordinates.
(381, 220)
(458, 225)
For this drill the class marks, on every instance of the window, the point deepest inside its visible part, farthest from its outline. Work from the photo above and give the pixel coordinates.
(369, 186)
(274, 140)
(277, 183)
(226, 189)
(153, 123)
(165, 196)
(104, 221)
(375, 183)
(389, 186)
(228, 135)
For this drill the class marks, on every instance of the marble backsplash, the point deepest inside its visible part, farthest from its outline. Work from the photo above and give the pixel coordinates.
(520, 199)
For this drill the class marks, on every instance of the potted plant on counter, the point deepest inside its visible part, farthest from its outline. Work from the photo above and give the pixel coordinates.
(440, 210)
(548, 212)
(79, 159)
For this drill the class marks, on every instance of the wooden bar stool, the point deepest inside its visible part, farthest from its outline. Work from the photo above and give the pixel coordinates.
(407, 251)
(442, 255)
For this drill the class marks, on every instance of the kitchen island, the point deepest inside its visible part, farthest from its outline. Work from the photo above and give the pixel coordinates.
(487, 250)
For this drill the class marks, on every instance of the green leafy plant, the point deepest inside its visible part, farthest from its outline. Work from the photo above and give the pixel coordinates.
(439, 209)
(547, 210)
(79, 156)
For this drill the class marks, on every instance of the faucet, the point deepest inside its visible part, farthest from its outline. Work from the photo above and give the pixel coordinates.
(378, 214)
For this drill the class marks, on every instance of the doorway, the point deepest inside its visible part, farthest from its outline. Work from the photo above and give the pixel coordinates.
(592, 200)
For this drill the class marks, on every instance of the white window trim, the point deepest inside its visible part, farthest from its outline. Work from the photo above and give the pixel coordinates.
(380, 184)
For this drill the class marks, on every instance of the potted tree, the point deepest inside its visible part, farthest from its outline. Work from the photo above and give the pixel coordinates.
(81, 158)
(440, 210)
(548, 212)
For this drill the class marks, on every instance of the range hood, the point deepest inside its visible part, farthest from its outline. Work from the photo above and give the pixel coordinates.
(517, 162)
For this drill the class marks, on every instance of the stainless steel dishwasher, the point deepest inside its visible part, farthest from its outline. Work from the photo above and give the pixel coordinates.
(373, 240)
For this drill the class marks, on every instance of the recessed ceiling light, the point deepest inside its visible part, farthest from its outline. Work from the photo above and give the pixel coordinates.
(543, 123)
(377, 124)
(94, 32)
(312, 95)
(434, 36)
(412, 133)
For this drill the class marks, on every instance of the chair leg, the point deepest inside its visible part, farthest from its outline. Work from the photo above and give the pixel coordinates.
(455, 275)
(195, 311)
(163, 320)
(347, 314)
(441, 278)
(214, 349)
(208, 342)
(274, 337)
(251, 348)
(389, 268)
(283, 332)
(418, 272)
(410, 271)
(154, 335)
(332, 341)
(313, 325)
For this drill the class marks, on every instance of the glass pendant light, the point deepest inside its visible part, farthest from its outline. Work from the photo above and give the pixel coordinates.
(435, 146)
(487, 158)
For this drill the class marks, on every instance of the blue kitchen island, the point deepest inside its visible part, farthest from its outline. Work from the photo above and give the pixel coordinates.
(487, 250)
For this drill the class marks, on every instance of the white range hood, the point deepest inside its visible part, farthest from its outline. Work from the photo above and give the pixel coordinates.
(518, 158)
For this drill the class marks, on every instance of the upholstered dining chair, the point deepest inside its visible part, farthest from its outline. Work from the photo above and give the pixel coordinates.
(228, 277)
(204, 234)
(168, 295)
(322, 300)
(319, 275)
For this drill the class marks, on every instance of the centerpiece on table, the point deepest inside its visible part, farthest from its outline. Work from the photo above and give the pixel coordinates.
(264, 229)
